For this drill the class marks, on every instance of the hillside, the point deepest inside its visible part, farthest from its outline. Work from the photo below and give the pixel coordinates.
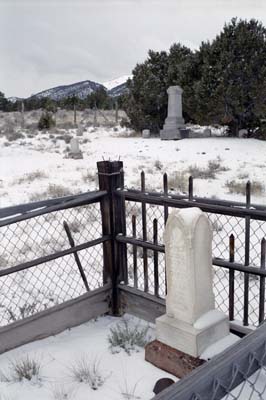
(79, 89)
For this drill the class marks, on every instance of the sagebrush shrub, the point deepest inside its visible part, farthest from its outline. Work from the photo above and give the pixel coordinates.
(88, 371)
(127, 338)
(26, 368)
(46, 121)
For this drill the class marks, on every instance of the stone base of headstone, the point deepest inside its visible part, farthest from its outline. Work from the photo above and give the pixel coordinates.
(75, 156)
(173, 361)
(170, 134)
(192, 339)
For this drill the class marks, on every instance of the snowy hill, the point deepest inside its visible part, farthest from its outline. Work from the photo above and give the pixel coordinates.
(115, 87)
(79, 89)
(114, 83)
(14, 99)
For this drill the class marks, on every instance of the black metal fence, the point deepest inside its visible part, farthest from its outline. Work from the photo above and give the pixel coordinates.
(238, 246)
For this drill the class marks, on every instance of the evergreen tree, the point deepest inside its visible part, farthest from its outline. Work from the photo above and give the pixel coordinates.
(232, 87)
(3, 102)
(146, 102)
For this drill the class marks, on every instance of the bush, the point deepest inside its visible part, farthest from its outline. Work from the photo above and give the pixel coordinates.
(178, 181)
(26, 368)
(14, 136)
(53, 191)
(127, 338)
(46, 121)
(31, 176)
(202, 173)
(86, 371)
(240, 187)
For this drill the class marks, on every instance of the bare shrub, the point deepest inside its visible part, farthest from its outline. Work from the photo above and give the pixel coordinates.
(62, 392)
(127, 338)
(31, 176)
(178, 181)
(74, 226)
(3, 262)
(14, 136)
(127, 134)
(216, 227)
(66, 125)
(243, 175)
(201, 173)
(24, 311)
(158, 165)
(86, 371)
(128, 392)
(53, 191)
(66, 138)
(89, 176)
(26, 368)
(239, 187)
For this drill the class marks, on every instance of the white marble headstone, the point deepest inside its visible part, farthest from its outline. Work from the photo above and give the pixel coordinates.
(191, 323)
(188, 251)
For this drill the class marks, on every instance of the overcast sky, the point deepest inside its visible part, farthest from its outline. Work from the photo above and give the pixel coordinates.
(46, 43)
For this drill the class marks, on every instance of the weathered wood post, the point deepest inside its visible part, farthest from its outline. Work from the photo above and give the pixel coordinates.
(110, 174)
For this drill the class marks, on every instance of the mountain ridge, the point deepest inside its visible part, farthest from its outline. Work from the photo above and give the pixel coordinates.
(82, 89)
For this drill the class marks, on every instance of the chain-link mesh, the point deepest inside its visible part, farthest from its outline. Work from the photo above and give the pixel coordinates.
(36, 237)
(252, 387)
(35, 289)
(223, 226)
(237, 373)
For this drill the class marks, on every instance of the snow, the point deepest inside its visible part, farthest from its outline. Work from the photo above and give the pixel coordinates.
(116, 82)
(219, 346)
(240, 157)
(58, 353)
(209, 318)
(245, 157)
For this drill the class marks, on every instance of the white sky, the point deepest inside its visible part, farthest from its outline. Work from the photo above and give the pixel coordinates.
(46, 43)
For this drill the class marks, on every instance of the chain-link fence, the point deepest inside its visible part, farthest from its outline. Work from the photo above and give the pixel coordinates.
(238, 373)
(239, 277)
(49, 256)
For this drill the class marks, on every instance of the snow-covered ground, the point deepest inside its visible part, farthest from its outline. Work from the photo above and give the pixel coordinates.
(239, 160)
(31, 166)
(125, 376)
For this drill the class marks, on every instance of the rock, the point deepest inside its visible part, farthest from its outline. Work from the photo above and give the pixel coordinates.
(162, 384)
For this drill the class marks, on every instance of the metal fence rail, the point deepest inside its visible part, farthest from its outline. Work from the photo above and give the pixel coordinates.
(50, 252)
(239, 373)
(238, 246)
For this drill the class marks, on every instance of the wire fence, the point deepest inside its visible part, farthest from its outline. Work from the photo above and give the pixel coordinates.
(238, 373)
(49, 254)
(239, 267)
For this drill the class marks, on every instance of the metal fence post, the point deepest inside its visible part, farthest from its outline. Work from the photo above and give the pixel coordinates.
(110, 175)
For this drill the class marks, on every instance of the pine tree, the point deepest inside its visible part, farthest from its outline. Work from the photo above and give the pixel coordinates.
(146, 102)
(3, 102)
(232, 87)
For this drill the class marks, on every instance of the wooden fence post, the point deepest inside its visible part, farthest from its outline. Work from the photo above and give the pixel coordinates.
(110, 175)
